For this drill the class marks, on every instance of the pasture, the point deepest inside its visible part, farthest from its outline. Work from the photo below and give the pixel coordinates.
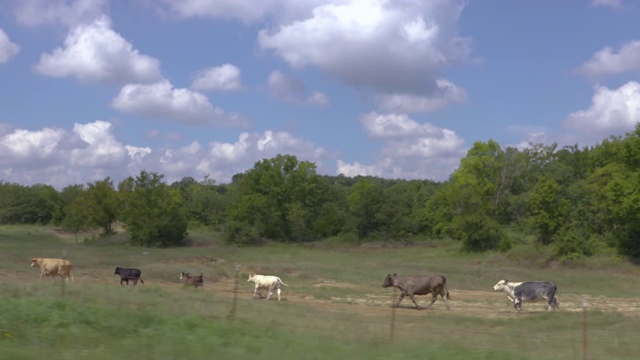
(334, 306)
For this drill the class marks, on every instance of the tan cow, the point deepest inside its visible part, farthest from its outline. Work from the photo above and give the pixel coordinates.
(53, 267)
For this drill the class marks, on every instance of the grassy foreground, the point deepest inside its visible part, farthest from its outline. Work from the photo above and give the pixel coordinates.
(334, 307)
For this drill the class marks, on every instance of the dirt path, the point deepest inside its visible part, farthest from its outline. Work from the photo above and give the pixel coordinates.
(482, 304)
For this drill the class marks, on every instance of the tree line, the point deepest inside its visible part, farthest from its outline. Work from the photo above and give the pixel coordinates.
(578, 201)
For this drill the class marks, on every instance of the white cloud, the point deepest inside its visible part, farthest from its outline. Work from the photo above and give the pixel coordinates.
(410, 151)
(616, 4)
(162, 101)
(447, 93)
(34, 147)
(8, 49)
(94, 53)
(101, 148)
(612, 112)
(68, 13)
(607, 62)
(289, 89)
(356, 169)
(220, 78)
(245, 10)
(389, 126)
(221, 160)
(394, 49)
(55, 157)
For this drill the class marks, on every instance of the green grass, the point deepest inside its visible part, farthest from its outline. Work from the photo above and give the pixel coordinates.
(334, 307)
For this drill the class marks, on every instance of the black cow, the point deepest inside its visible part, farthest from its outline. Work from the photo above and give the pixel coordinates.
(419, 285)
(529, 291)
(129, 274)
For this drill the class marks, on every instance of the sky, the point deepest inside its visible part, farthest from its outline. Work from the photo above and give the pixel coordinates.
(398, 89)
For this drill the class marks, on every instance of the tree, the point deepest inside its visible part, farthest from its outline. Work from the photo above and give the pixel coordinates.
(152, 212)
(548, 209)
(67, 196)
(279, 198)
(364, 205)
(471, 201)
(101, 201)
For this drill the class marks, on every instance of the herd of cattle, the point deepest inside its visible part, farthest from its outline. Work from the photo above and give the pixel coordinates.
(517, 292)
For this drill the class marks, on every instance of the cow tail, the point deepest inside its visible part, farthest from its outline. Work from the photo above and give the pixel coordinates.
(142, 281)
(282, 282)
(447, 291)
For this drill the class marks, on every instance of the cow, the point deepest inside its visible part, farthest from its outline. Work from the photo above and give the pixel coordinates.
(53, 267)
(529, 291)
(189, 280)
(269, 282)
(419, 285)
(129, 274)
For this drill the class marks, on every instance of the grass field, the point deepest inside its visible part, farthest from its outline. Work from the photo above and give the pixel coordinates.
(333, 308)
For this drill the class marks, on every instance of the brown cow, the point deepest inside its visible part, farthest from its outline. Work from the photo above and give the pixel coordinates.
(418, 285)
(53, 267)
(189, 280)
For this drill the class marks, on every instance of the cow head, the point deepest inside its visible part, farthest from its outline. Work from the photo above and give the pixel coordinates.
(389, 281)
(183, 275)
(500, 285)
(117, 272)
(34, 262)
(251, 276)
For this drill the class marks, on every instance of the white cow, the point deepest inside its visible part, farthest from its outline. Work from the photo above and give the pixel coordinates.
(266, 282)
(52, 267)
(529, 291)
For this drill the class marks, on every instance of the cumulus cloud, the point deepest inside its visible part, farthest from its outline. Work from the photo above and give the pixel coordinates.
(162, 101)
(59, 158)
(357, 169)
(100, 149)
(94, 53)
(616, 4)
(220, 78)
(8, 49)
(33, 146)
(447, 93)
(289, 89)
(244, 10)
(68, 13)
(389, 126)
(411, 150)
(607, 62)
(612, 112)
(397, 50)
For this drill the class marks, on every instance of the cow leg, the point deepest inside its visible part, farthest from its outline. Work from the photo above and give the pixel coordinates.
(135, 281)
(434, 297)
(402, 295)
(443, 295)
(517, 304)
(256, 291)
(270, 293)
(279, 294)
(414, 301)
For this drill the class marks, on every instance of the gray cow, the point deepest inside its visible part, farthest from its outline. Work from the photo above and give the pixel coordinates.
(419, 285)
(530, 291)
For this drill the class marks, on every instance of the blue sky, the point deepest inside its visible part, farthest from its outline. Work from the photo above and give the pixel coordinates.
(396, 89)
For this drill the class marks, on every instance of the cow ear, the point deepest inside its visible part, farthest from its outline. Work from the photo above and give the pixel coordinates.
(506, 281)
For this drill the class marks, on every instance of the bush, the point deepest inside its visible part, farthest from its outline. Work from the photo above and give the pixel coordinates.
(570, 244)
(477, 232)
